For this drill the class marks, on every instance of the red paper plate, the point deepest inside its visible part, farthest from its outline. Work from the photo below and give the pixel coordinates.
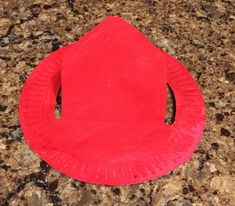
(114, 91)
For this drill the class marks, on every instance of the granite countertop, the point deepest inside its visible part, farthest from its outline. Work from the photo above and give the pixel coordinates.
(198, 33)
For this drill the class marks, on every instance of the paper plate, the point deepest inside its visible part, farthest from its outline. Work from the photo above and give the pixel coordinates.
(114, 93)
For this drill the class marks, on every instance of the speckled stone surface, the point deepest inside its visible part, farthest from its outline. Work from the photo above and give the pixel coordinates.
(199, 33)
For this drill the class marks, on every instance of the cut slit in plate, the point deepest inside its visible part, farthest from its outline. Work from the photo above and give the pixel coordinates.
(114, 97)
(171, 107)
(58, 105)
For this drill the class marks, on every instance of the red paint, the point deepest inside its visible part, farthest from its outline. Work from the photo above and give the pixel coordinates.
(112, 128)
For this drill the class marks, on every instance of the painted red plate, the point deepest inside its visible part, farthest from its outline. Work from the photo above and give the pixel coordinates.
(114, 92)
